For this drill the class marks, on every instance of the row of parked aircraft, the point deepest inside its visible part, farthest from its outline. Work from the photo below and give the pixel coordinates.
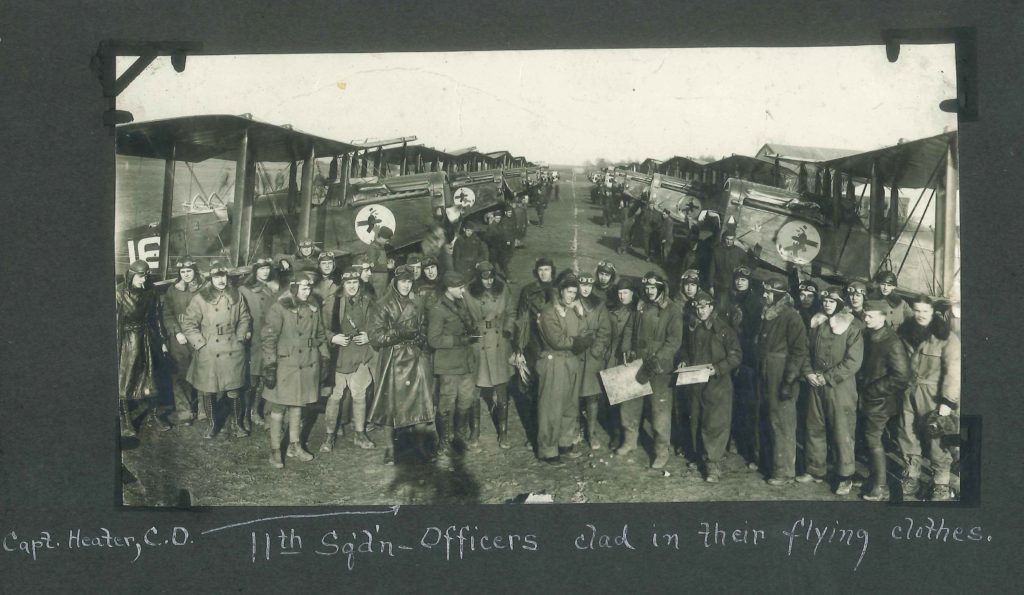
(831, 213)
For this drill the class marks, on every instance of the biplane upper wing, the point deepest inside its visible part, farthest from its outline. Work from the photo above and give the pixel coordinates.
(198, 138)
(910, 165)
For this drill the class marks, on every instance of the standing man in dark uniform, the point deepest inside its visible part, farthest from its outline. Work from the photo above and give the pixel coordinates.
(414, 262)
(365, 267)
(377, 254)
(427, 286)
(725, 257)
(856, 293)
(596, 323)
(781, 348)
(215, 324)
(808, 303)
(450, 332)
(258, 297)
(469, 249)
(174, 303)
(323, 291)
(885, 286)
(621, 316)
(404, 383)
(666, 236)
(501, 242)
(689, 285)
(631, 210)
(540, 203)
(533, 297)
(741, 308)
(605, 286)
(609, 202)
(881, 382)
(138, 334)
(654, 337)
(521, 216)
(709, 340)
(306, 255)
(328, 283)
(650, 224)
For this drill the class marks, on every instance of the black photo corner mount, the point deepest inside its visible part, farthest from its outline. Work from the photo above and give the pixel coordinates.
(964, 40)
(104, 66)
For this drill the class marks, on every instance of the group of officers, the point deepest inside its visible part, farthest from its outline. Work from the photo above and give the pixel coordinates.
(297, 329)
(406, 346)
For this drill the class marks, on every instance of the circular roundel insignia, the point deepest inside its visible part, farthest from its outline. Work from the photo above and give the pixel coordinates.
(798, 241)
(371, 218)
(464, 197)
(690, 207)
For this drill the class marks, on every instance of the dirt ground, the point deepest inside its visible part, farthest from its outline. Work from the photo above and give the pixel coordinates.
(181, 468)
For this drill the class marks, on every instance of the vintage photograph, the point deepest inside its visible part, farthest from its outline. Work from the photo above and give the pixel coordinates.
(572, 276)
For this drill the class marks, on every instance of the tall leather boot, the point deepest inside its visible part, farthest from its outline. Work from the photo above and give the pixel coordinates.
(389, 449)
(360, 438)
(628, 442)
(238, 412)
(423, 447)
(615, 421)
(444, 423)
(474, 424)
(460, 427)
(154, 415)
(276, 423)
(127, 430)
(345, 415)
(330, 423)
(592, 423)
(295, 448)
(252, 407)
(208, 402)
(501, 416)
(879, 490)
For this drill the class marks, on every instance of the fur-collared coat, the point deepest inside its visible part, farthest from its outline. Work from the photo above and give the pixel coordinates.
(215, 325)
(836, 352)
(293, 339)
(934, 362)
(172, 311)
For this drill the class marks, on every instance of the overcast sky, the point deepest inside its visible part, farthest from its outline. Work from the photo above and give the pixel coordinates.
(570, 106)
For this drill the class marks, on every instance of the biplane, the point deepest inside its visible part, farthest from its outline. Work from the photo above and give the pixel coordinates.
(261, 206)
(858, 216)
(517, 180)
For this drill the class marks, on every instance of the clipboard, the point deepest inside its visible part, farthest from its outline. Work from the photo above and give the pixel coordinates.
(698, 374)
(620, 382)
